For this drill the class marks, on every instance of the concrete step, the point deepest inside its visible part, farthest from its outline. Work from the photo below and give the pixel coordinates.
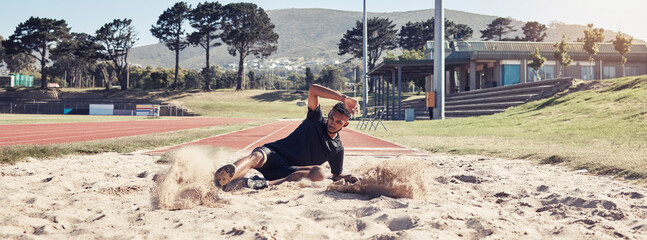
(551, 82)
(471, 113)
(499, 99)
(490, 105)
(516, 91)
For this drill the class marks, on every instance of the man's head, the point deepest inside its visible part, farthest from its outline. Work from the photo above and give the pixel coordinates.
(338, 118)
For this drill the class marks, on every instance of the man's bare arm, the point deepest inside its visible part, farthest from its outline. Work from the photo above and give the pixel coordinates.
(317, 91)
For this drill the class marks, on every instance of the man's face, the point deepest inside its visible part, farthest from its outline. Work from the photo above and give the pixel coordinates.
(336, 121)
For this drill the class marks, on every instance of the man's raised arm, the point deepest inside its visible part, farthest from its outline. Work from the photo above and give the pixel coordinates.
(317, 91)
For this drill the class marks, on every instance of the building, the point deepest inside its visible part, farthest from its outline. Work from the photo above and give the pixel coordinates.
(485, 64)
(474, 65)
(16, 80)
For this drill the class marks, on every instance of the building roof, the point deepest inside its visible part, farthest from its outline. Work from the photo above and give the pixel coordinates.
(409, 68)
(497, 50)
(465, 51)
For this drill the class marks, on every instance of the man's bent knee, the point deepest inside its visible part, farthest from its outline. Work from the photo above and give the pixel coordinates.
(259, 159)
(316, 174)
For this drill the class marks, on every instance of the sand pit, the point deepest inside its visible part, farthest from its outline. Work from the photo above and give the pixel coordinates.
(108, 196)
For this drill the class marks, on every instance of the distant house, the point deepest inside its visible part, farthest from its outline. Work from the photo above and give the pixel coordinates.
(471, 65)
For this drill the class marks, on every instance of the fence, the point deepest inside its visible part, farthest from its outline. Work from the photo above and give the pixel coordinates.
(35, 107)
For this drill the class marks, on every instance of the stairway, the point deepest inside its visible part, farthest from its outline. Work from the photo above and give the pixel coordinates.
(491, 100)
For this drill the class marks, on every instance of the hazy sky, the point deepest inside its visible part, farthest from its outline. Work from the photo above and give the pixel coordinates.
(87, 16)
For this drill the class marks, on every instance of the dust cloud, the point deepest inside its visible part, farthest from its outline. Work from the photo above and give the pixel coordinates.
(398, 178)
(189, 181)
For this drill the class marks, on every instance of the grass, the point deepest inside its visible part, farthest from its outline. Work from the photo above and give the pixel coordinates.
(603, 130)
(598, 125)
(13, 154)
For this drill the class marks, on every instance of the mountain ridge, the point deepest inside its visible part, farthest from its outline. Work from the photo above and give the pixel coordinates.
(311, 34)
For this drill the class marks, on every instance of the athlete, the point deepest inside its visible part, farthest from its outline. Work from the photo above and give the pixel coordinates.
(299, 155)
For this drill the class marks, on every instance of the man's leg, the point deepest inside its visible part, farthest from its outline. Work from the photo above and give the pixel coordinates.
(314, 173)
(238, 169)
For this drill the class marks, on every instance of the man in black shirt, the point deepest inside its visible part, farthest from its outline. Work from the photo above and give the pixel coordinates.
(299, 155)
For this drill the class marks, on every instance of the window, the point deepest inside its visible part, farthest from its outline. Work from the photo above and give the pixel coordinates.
(608, 72)
(545, 72)
(510, 74)
(632, 70)
(587, 73)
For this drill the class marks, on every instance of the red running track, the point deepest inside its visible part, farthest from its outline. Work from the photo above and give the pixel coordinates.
(243, 141)
(49, 133)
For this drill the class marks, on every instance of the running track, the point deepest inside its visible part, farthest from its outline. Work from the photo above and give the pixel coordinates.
(49, 133)
(244, 141)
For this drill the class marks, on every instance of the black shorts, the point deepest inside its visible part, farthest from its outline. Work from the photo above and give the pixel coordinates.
(276, 166)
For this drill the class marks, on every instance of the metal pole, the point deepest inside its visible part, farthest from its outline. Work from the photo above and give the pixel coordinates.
(365, 51)
(439, 59)
(399, 92)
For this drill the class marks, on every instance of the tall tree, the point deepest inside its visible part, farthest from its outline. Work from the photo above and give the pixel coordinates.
(310, 78)
(497, 28)
(248, 30)
(561, 54)
(622, 44)
(36, 37)
(381, 37)
(536, 62)
(170, 31)
(461, 31)
(414, 35)
(116, 39)
(3, 55)
(76, 57)
(534, 32)
(206, 18)
(592, 39)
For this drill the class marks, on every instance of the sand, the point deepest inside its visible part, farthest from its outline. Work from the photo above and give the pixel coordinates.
(126, 196)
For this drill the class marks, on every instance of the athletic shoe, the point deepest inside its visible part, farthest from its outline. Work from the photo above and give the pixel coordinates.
(253, 183)
(224, 175)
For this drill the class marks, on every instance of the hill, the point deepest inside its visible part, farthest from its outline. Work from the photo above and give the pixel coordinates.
(313, 35)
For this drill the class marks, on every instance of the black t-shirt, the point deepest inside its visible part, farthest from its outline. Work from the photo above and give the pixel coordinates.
(310, 144)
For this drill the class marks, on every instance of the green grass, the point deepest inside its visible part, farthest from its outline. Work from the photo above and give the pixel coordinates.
(598, 125)
(603, 130)
(13, 154)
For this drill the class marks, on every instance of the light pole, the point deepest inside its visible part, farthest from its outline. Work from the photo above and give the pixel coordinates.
(365, 73)
(439, 59)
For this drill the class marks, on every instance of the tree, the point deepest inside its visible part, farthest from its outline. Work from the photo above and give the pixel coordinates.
(310, 78)
(76, 57)
(414, 36)
(561, 54)
(622, 44)
(248, 30)
(536, 62)
(534, 32)
(36, 37)
(497, 28)
(381, 34)
(592, 39)
(331, 77)
(3, 55)
(206, 18)
(116, 39)
(297, 79)
(461, 31)
(169, 30)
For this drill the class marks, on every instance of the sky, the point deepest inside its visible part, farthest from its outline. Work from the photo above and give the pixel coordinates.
(87, 16)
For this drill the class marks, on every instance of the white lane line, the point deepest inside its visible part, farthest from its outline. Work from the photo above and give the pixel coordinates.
(261, 139)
